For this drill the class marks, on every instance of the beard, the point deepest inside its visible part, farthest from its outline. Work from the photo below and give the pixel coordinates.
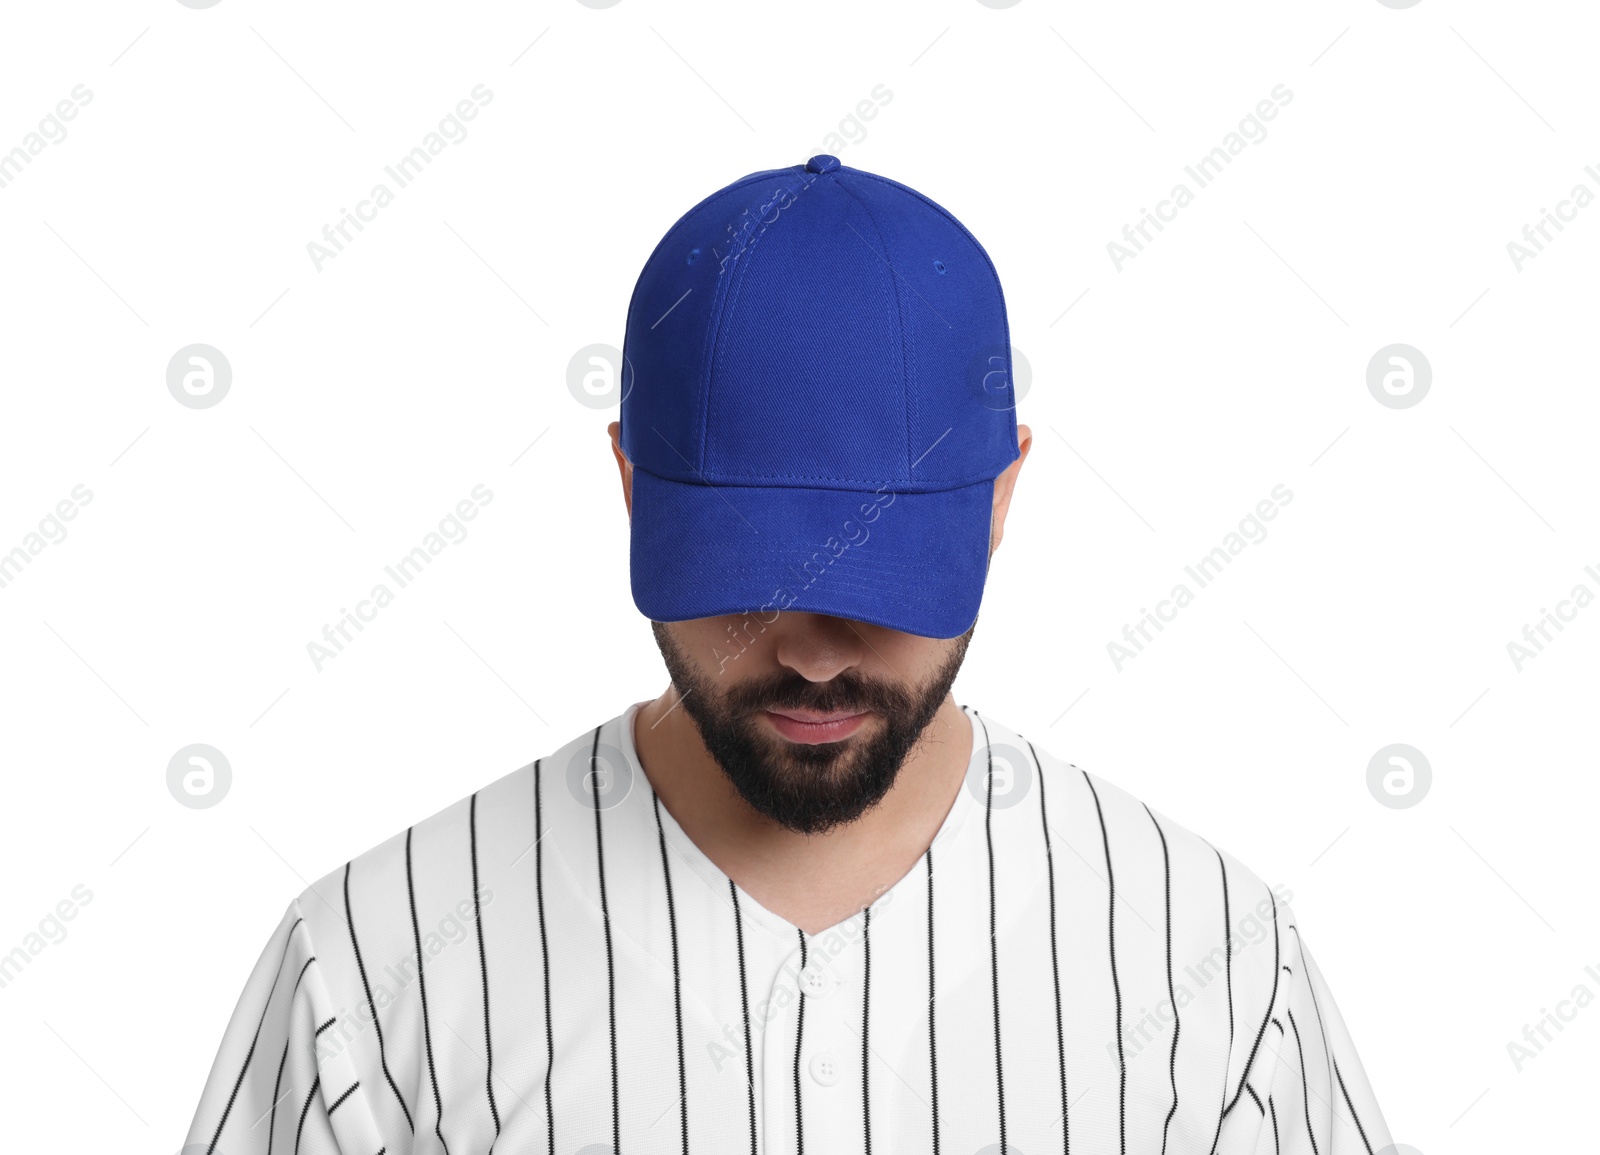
(810, 788)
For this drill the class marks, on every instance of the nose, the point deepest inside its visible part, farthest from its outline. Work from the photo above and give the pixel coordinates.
(819, 647)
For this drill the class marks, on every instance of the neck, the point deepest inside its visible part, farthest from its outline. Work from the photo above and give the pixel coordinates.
(812, 881)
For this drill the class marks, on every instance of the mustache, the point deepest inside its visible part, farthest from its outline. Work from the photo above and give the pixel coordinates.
(843, 692)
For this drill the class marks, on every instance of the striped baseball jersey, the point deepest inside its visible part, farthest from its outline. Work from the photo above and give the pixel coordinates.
(552, 966)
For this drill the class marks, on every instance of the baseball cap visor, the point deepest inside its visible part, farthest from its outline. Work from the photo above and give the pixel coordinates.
(914, 562)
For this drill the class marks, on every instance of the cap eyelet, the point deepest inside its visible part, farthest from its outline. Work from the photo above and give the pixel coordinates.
(694, 255)
(939, 267)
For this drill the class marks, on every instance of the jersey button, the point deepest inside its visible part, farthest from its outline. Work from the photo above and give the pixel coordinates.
(815, 982)
(824, 1068)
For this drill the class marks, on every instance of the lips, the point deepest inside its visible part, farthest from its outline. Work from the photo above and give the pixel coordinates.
(813, 726)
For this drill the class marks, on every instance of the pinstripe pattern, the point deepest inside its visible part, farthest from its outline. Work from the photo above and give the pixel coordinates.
(596, 805)
(343, 1096)
(744, 1015)
(544, 949)
(1116, 984)
(866, 1020)
(1177, 1019)
(422, 995)
(994, 938)
(372, 1008)
(1227, 938)
(1351, 1107)
(799, 1040)
(277, 1082)
(254, 1039)
(304, 1111)
(1065, 947)
(483, 966)
(1305, 1088)
(1272, 1001)
(677, 977)
(1055, 955)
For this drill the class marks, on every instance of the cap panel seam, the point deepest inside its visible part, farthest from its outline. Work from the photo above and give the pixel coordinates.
(900, 318)
(667, 238)
(942, 211)
(708, 356)
(729, 295)
(1005, 318)
(683, 220)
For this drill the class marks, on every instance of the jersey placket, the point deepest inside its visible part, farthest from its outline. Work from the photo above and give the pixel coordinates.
(815, 1066)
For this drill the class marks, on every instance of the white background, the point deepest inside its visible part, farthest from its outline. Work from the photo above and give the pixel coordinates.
(1167, 399)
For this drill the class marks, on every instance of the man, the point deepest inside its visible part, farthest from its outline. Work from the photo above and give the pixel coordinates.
(802, 901)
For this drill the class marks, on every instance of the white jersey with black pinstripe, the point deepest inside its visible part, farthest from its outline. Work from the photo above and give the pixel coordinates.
(546, 968)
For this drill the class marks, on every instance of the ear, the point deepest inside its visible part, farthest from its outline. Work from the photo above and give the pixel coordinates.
(1004, 484)
(624, 466)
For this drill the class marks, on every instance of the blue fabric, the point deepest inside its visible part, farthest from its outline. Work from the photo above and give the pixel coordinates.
(811, 347)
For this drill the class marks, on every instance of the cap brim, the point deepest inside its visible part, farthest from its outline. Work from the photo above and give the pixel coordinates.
(913, 562)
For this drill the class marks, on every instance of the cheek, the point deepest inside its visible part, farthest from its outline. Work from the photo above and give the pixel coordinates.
(900, 657)
(695, 638)
(718, 651)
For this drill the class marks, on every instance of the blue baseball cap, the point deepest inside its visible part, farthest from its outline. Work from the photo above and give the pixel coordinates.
(817, 399)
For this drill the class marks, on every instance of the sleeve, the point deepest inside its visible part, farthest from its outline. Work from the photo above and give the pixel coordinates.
(1305, 1091)
(269, 1088)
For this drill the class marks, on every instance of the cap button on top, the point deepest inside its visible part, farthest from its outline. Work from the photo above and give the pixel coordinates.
(821, 163)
